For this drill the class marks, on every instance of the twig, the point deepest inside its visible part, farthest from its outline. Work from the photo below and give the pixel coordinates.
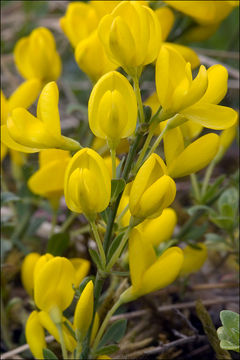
(20, 349)
(209, 61)
(218, 53)
(186, 305)
(161, 349)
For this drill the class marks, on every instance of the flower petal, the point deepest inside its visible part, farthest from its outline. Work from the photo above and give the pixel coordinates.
(211, 116)
(195, 156)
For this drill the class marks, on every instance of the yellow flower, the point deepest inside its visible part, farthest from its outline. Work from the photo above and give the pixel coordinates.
(24, 96)
(48, 181)
(87, 185)
(36, 56)
(79, 21)
(181, 160)
(149, 273)
(35, 335)
(84, 312)
(204, 12)
(159, 229)
(196, 99)
(40, 263)
(53, 291)
(193, 259)
(27, 133)
(47, 323)
(27, 270)
(152, 190)
(112, 108)
(131, 36)
(86, 53)
(81, 267)
(100, 146)
(226, 138)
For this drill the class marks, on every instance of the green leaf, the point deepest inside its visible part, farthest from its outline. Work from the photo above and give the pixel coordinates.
(196, 232)
(95, 258)
(147, 113)
(230, 331)
(106, 350)
(114, 333)
(213, 239)
(117, 186)
(114, 245)
(7, 196)
(48, 354)
(105, 215)
(213, 189)
(193, 209)
(120, 166)
(57, 244)
(81, 287)
(70, 329)
(223, 222)
(228, 202)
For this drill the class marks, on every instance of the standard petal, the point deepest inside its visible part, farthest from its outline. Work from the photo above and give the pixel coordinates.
(217, 84)
(173, 144)
(188, 54)
(195, 156)
(47, 109)
(211, 116)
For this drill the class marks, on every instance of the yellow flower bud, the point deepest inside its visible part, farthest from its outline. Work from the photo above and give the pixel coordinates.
(84, 311)
(27, 270)
(86, 53)
(36, 56)
(47, 323)
(197, 99)
(112, 108)
(53, 290)
(87, 185)
(48, 181)
(40, 263)
(152, 190)
(184, 161)
(79, 22)
(131, 36)
(193, 259)
(81, 267)
(226, 138)
(159, 229)
(149, 273)
(35, 335)
(27, 133)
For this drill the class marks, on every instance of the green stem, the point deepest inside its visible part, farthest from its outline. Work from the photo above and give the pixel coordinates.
(195, 186)
(80, 231)
(143, 151)
(113, 156)
(139, 99)
(99, 242)
(118, 251)
(157, 142)
(105, 322)
(68, 221)
(63, 347)
(207, 177)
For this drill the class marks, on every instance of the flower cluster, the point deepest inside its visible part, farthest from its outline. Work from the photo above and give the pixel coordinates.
(126, 200)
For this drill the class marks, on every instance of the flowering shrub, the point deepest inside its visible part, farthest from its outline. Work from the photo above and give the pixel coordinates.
(120, 177)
